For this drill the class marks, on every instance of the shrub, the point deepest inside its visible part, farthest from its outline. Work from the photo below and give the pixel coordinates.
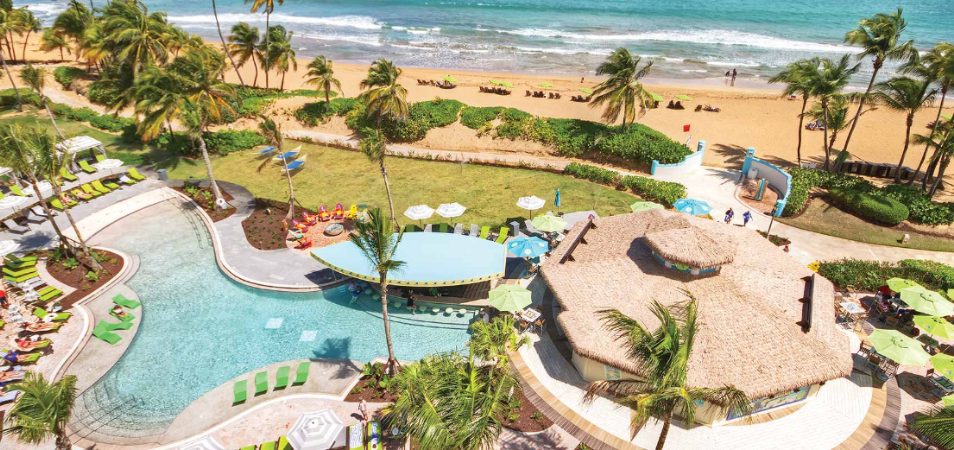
(110, 123)
(318, 112)
(65, 75)
(8, 98)
(929, 273)
(870, 275)
(422, 117)
(102, 92)
(665, 192)
(477, 118)
(923, 210)
(870, 205)
(593, 173)
(228, 141)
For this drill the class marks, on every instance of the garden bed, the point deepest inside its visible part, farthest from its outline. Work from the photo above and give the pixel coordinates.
(264, 229)
(204, 198)
(76, 276)
(527, 418)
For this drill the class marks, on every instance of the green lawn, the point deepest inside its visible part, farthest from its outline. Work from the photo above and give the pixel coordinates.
(822, 217)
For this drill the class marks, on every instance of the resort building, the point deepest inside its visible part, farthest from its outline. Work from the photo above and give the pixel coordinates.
(765, 325)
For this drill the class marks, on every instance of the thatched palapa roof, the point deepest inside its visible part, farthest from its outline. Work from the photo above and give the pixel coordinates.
(691, 246)
(748, 331)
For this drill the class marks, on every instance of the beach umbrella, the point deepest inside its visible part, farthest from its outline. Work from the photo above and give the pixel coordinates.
(450, 79)
(528, 247)
(549, 223)
(948, 401)
(683, 97)
(500, 83)
(556, 199)
(530, 203)
(944, 365)
(935, 326)
(545, 85)
(8, 246)
(449, 210)
(645, 206)
(509, 298)
(656, 97)
(897, 284)
(419, 212)
(899, 348)
(586, 91)
(927, 302)
(692, 206)
(206, 443)
(315, 431)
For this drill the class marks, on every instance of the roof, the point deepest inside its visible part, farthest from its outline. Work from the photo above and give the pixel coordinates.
(78, 144)
(691, 246)
(748, 333)
(431, 259)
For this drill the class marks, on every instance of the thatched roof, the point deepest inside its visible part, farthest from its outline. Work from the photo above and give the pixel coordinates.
(748, 333)
(691, 246)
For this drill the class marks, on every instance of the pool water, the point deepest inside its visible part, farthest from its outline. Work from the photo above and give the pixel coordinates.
(200, 329)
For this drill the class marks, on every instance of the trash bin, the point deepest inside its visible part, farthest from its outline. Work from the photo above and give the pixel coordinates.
(163, 174)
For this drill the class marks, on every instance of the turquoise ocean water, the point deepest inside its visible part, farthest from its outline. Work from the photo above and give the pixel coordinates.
(688, 38)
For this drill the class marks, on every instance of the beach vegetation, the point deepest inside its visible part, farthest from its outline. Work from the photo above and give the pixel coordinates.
(243, 47)
(937, 424)
(480, 118)
(870, 205)
(43, 410)
(314, 113)
(936, 66)
(225, 47)
(664, 192)
(836, 114)
(267, 7)
(908, 95)
(622, 95)
(66, 75)
(384, 99)
(321, 74)
(35, 79)
(54, 40)
(869, 275)
(277, 52)
(826, 82)
(942, 140)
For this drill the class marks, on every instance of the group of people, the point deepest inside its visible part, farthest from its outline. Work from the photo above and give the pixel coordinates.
(730, 214)
(730, 76)
(580, 98)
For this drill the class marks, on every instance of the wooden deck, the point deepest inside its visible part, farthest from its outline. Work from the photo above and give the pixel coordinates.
(879, 424)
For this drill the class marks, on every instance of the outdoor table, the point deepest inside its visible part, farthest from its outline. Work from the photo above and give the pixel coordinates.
(852, 308)
(108, 164)
(530, 315)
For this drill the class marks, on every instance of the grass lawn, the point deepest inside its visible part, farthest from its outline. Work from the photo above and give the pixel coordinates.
(822, 217)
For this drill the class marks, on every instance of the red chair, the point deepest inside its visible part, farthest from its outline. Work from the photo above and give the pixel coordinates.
(339, 212)
(323, 214)
(303, 244)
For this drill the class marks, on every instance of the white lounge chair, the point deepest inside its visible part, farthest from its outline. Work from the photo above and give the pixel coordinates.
(32, 217)
(15, 227)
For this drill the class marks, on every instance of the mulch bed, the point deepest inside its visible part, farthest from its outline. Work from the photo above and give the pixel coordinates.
(263, 228)
(76, 277)
(369, 393)
(529, 419)
(207, 202)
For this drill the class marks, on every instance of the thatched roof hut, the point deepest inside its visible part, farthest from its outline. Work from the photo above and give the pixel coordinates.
(749, 331)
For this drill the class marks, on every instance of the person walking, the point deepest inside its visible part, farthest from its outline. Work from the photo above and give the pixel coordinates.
(729, 214)
(746, 217)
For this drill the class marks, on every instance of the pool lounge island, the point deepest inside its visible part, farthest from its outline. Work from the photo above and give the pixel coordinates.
(765, 323)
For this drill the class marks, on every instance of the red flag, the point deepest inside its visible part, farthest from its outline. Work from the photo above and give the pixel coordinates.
(685, 128)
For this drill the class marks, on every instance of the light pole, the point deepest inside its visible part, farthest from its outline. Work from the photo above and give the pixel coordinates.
(768, 233)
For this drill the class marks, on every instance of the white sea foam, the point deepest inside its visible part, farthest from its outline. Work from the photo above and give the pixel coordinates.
(372, 41)
(359, 22)
(564, 50)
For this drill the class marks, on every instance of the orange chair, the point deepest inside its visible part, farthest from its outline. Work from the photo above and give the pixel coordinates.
(310, 219)
(323, 214)
(303, 244)
(339, 212)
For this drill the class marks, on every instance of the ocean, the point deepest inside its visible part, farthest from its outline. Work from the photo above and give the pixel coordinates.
(685, 38)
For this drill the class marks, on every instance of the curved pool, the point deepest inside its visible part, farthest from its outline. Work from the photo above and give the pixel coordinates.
(200, 329)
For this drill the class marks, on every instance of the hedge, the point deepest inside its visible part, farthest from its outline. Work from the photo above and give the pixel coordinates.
(923, 209)
(478, 118)
(222, 142)
(664, 192)
(869, 275)
(65, 75)
(312, 114)
(870, 205)
(422, 117)
(102, 121)
(8, 98)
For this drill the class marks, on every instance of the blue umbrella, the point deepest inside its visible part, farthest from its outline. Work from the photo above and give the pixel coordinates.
(692, 206)
(556, 199)
(528, 247)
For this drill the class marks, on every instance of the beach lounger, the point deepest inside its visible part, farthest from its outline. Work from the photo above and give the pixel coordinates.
(429, 227)
(411, 228)
(38, 210)
(502, 237)
(89, 190)
(301, 373)
(106, 336)
(98, 185)
(474, 230)
(15, 227)
(111, 326)
(239, 392)
(249, 447)
(10, 377)
(374, 434)
(21, 259)
(281, 377)
(121, 300)
(134, 174)
(356, 437)
(124, 179)
(267, 150)
(32, 217)
(99, 157)
(34, 345)
(59, 317)
(29, 358)
(80, 194)
(484, 232)
(110, 185)
(459, 228)
(49, 293)
(83, 164)
(15, 189)
(270, 445)
(261, 383)
(67, 175)
(55, 203)
(21, 279)
(9, 396)
(43, 327)
(442, 228)
(295, 165)
(283, 443)
(19, 272)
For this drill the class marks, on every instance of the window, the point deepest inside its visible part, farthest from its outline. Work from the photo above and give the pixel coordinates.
(612, 373)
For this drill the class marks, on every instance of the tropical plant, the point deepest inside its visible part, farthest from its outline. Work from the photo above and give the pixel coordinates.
(52, 39)
(937, 424)
(27, 23)
(908, 95)
(663, 358)
(943, 142)
(272, 132)
(278, 52)
(384, 98)
(795, 76)
(43, 410)
(244, 46)
(73, 22)
(826, 83)
(268, 7)
(225, 48)
(35, 78)
(490, 341)
(837, 116)
(879, 37)
(135, 36)
(374, 146)
(622, 93)
(321, 74)
(936, 65)
(378, 243)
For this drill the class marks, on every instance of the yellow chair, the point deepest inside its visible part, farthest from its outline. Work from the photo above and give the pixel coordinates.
(352, 212)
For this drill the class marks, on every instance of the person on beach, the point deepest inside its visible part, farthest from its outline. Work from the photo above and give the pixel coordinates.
(746, 217)
(729, 214)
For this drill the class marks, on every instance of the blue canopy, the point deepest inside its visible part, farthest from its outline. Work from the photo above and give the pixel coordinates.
(431, 259)
(528, 247)
(692, 206)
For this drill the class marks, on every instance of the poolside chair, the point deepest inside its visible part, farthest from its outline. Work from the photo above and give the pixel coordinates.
(134, 174)
(283, 443)
(83, 164)
(15, 264)
(484, 232)
(20, 260)
(89, 190)
(261, 383)
(110, 185)
(124, 179)
(29, 358)
(15, 189)
(429, 227)
(459, 228)
(99, 157)
(239, 392)
(301, 373)
(474, 230)
(49, 293)
(356, 437)
(249, 447)
(442, 228)
(281, 377)
(295, 165)
(18, 272)
(270, 445)
(21, 279)
(502, 237)
(67, 175)
(32, 217)
(15, 227)
(111, 326)
(106, 336)
(81, 195)
(9, 396)
(98, 185)
(411, 228)
(59, 317)
(121, 300)
(38, 210)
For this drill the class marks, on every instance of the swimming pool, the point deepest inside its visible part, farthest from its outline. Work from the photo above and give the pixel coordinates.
(199, 328)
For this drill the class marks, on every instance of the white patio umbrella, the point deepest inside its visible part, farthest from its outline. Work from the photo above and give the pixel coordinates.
(449, 210)
(8, 246)
(315, 431)
(530, 203)
(206, 443)
(419, 212)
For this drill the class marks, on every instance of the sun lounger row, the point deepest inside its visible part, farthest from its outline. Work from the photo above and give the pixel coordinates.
(281, 444)
(105, 330)
(499, 237)
(240, 388)
(23, 270)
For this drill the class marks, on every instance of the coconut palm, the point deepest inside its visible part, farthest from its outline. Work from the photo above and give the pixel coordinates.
(491, 341)
(837, 114)
(663, 357)
(378, 242)
(52, 39)
(279, 52)
(321, 73)
(28, 24)
(374, 146)
(908, 95)
(244, 46)
(134, 35)
(43, 410)
(936, 65)
(3, 61)
(268, 7)
(937, 424)
(35, 78)
(794, 76)
(827, 82)
(225, 48)
(272, 132)
(73, 21)
(879, 37)
(385, 99)
(622, 93)
(943, 142)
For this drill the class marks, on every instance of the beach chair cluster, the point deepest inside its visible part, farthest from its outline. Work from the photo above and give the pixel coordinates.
(297, 228)
(484, 232)
(22, 272)
(106, 331)
(240, 387)
(290, 158)
(94, 189)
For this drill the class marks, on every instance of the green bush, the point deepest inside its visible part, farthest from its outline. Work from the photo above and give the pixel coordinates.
(110, 123)
(228, 141)
(318, 112)
(65, 75)
(923, 210)
(664, 192)
(870, 205)
(477, 118)
(929, 273)
(593, 173)
(422, 117)
(8, 98)
(804, 180)
(102, 92)
(870, 275)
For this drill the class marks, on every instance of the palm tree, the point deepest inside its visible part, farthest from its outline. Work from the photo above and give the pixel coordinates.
(936, 65)
(43, 410)
(268, 6)
(272, 132)
(827, 82)
(378, 242)
(908, 95)
(225, 48)
(135, 36)
(29, 24)
(837, 114)
(52, 39)
(73, 21)
(794, 76)
(321, 74)
(622, 92)
(384, 98)
(36, 79)
(279, 52)
(243, 46)
(373, 146)
(491, 341)
(3, 61)
(937, 424)
(879, 37)
(663, 357)
(943, 142)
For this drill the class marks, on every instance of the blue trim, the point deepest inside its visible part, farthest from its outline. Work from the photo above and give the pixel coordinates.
(747, 164)
(699, 154)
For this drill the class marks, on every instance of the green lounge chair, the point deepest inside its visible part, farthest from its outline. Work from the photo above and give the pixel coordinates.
(356, 437)
(239, 393)
(283, 443)
(110, 326)
(29, 358)
(98, 185)
(67, 175)
(484, 232)
(134, 174)
(126, 180)
(86, 167)
(59, 317)
(21, 279)
(16, 190)
(2, 324)
(261, 383)
(14, 264)
(502, 237)
(301, 373)
(99, 157)
(11, 258)
(19, 272)
(411, 228)
(267, 446)
(111, 185)
(49, 293)
(106, 335)
(81, 195)
(281, 377)
(121, 300)
(127, 318)
(89, 190)
(248, 447)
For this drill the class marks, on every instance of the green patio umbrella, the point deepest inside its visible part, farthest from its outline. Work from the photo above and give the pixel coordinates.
(586, 91)
(948, 401)
(944, 365)
(548, 223)
(509, 298)
(935, 326)
(656, 97)
(897, 284)
(683, 97)
(645, 206)
(899, 348)
(927, 302)
(506, 84)
(450, 79)
(545, 85)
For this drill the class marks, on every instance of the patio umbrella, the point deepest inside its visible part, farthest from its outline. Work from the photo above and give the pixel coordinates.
(692, 206)
(449, 210)
(948, 401)
(545, 85)
(8, 246)
(557, 199)
(509, 298)
(549, 223)
(927, 302)
(528, 247)
(944, 365)
(897, 284)
(206, 443)
(656, 97)
(450, 79)
(899, 348)
(683, 97)
(935, 326)
(645, 206)
(530, 203)
(500, 83)
(315, 431)
(419, 212)
(586, 91)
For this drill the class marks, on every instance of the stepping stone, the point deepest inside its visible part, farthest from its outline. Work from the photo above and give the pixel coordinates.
(308, 335)
(274, 323)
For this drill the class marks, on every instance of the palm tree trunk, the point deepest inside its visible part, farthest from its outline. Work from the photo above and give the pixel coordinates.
(63, 441)
(282, 87)
(225, 48)
(861, 104)
(46, 105)
(291, 192)
(937, 121)
(255, 65)
(327, 96)
(268, 15)
(801, 124)
(87, 258)
(25, 41)
(387, 190)
(945, 160)
(904, 151)
(392, 361)
(929, 172)
(661, 442)
(825, 130)
(208, 170)
(13, 53)
(62, 58)
(6, 69)
(64, 243)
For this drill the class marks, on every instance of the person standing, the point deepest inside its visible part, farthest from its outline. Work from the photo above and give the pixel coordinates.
(729, 214)
(746, 217)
